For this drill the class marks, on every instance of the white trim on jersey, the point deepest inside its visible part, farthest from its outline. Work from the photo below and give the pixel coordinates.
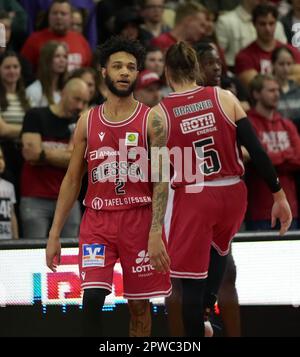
(219, 250)
(239, 158)
(91, 285)
(168, 214)
(167, 119)
(142, 296)
(88, 130)
(226, 117)
(188, 275)
(224, 181)
(124, 122)
(145, 130)
(186, 92)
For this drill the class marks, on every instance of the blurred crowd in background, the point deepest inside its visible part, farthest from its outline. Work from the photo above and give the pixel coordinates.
(50, 73)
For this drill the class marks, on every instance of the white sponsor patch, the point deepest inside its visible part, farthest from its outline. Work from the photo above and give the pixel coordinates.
(131, 139)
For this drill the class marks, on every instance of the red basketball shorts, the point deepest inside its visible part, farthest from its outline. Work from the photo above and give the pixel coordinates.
(196, 221)
(107, 236)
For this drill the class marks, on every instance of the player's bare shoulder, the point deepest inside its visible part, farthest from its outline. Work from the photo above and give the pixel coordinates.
(230, 105)
(82, 126)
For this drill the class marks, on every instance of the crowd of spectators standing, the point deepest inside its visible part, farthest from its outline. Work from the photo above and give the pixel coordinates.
(49, 74)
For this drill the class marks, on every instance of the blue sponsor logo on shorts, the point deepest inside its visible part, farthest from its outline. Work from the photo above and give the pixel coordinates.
(93, 255)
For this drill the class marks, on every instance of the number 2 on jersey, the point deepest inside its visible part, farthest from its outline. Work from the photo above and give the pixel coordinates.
(119, 189)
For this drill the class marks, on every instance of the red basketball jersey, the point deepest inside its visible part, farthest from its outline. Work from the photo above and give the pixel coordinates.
(204, 136)
(117, 158)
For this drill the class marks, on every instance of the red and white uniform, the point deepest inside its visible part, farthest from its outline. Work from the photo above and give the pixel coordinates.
(118, 216)
(206, 209)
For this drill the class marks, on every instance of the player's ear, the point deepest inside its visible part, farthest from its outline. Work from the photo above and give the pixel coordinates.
(103, 71)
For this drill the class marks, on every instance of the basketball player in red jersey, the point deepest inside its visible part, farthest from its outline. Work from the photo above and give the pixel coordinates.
(208, 120)
(124, 210)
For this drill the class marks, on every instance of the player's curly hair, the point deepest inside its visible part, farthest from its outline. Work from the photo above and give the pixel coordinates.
(121, 44)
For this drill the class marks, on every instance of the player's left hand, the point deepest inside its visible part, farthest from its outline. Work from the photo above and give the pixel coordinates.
(158, 255)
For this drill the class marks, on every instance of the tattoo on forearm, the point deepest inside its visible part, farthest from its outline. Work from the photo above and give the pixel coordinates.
(160, 189)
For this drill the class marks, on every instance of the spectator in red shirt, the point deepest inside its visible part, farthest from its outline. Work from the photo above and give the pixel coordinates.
(60, 20)
(256, 58)
(190, 26)
(281, 141)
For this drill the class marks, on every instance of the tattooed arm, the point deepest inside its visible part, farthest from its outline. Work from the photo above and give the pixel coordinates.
(157, 136)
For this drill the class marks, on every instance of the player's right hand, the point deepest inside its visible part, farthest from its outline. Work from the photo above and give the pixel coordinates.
(53, 252)
(281, 210)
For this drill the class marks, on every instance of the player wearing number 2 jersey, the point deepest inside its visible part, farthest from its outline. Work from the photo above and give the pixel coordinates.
(124, 210)
(209, 121)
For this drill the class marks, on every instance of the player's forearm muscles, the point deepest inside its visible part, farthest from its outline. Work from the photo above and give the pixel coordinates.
(68, 194)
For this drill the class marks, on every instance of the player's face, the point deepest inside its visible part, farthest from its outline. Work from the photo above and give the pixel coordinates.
(120, 74)
(211, 66)
(283, 66)
(269, 95)
(265, 27)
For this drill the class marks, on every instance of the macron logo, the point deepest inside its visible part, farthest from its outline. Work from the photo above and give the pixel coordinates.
(101, 136)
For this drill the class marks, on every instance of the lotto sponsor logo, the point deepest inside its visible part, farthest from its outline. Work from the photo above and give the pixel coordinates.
(143, 267)
(198, 123)
(93, 255)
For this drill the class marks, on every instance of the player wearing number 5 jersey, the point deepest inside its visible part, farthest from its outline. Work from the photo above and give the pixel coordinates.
(124, 210)
(207, 211)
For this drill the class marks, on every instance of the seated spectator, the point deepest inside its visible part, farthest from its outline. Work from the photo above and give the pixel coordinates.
(291, 18)
(60, 21)
(8, 219)
(235, 30)
(27, 74)
(13, 101)
(152, 14)
(13, 106)
(190, 26)
(37, 8)
(18, 18)
(256, 58)
(78, 20)
(154, 60)
(106, 11)
(51, 75)
(148, 88)
(91, 77)
(127, 24)
(281, 141)
(289, 105)
(47, 147)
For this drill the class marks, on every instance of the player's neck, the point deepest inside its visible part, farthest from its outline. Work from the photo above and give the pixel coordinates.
(117, 107)
(183, 87)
